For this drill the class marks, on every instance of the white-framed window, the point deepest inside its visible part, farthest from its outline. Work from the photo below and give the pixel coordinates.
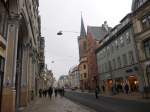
(121, 41)
(119, 62)
(128, 38)
(131, 57)
(125, 61)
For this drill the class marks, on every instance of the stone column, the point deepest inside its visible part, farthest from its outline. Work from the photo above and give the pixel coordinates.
(23, 98)
(9, 92)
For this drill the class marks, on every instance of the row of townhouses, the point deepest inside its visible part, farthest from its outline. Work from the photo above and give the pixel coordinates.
(117, 56)
(22, 61)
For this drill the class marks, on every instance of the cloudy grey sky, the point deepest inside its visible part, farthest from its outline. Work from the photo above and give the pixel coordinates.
(66, 15)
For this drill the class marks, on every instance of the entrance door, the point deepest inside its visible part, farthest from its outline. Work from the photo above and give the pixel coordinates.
(148, 73)
(133, 82)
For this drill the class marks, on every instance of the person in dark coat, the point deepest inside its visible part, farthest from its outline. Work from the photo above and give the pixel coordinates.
(50, 92)
(126, 88)
(40, 93)
(56, 91)
(96, 92)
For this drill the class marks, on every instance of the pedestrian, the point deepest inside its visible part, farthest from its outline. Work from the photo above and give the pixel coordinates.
(126, 88)
(50, 92)
(96, 92)
(56, 90)
(40, 93)
(103, 88)
(63, 91)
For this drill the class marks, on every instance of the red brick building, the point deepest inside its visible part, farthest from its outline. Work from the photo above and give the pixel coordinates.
(94, 35)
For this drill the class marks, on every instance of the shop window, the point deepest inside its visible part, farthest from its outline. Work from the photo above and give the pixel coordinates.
(147, 48)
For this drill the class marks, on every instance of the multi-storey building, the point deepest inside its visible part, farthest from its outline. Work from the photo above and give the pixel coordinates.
(117, 58)
(83, 66)
(3, 25)
(63, 81)
(141, 26)
(94, 35)
(74, 78)
(20, 35)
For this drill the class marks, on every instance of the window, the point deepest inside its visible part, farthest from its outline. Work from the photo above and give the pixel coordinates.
(84, 75)
(127, 38)
(84, 66)
(84, 45)
(106, 67)
(124, 56)
(147, 48)
(112, 48)
(109, 66)
(116, 42)
(121, 41)
(119, 62)
(114, 63)
(131, 57)
(108, 51)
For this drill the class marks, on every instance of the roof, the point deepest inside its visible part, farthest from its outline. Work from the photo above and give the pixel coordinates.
(82, 30)
(98, 33)
(137, 4)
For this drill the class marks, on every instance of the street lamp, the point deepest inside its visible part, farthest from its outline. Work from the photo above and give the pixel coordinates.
(61, 32)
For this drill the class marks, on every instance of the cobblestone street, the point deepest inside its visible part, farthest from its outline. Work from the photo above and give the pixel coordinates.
(55, 105)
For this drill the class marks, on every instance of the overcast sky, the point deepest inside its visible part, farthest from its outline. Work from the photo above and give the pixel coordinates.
(61, 52)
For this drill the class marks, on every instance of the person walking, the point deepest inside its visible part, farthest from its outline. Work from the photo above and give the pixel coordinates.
(126, 88)
(56, 90)
(50, 92)
(63, 91)
(40, 93)
(96, 92)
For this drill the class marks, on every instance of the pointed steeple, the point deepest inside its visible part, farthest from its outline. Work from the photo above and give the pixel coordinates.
(82, 30)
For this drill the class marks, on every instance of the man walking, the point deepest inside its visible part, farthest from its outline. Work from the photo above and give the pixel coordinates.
(96, 92)
(50, 92)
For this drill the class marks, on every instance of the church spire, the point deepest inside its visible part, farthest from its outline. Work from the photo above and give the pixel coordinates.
(82, 31)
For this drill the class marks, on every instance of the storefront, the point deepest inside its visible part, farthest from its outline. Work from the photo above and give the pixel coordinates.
(133, 83)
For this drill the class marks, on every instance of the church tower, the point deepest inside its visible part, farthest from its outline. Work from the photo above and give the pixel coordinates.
(83, 66)
(82, 40)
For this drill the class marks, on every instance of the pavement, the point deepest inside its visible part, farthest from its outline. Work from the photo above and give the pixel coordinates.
(59, 104)
(135, 96)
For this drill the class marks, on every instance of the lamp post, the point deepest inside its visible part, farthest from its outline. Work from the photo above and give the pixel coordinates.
(61, 32)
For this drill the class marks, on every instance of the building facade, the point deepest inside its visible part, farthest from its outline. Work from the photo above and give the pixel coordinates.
(117, 58)
(74, 78)
(20, 29)
(141, 26)
(94, 35)
(83, 64)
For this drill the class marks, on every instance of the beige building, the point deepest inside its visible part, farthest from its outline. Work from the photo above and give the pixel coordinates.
(20, 35)
(141, 26)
